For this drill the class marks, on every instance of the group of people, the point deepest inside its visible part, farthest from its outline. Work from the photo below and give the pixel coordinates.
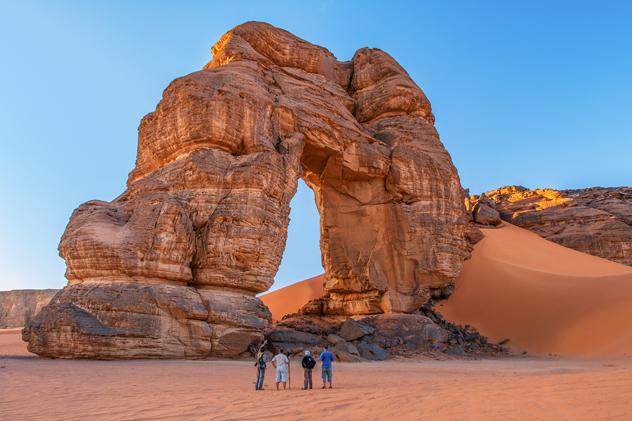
(281, 363)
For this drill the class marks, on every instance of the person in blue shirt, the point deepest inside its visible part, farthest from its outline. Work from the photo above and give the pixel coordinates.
(326, 358)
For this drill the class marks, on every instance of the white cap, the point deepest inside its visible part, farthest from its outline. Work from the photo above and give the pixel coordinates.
(307, 353)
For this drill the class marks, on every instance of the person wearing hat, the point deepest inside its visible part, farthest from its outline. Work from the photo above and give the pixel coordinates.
(308, 363)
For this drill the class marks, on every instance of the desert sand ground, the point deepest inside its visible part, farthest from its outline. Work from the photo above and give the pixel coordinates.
(33, 388)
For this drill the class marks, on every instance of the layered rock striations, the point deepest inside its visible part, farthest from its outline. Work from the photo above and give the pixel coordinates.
(171, 268)
(19, 306)
(596, 220)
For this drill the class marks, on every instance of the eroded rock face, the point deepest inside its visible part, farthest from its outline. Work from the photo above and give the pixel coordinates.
(352, 329)
(19, 306)
(596, 220)
(141, 320)
(484, 212)
(206, 208)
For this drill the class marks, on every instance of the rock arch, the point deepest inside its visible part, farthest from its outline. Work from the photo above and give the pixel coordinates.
(171, 267)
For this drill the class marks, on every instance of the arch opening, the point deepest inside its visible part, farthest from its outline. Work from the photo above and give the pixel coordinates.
(302, 255)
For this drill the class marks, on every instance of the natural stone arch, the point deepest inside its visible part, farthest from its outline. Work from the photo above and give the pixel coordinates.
(171, 267)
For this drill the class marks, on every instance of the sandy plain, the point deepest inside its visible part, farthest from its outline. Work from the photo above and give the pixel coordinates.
(33, 388)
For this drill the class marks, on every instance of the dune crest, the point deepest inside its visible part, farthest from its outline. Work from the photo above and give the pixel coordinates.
(291, 298)
(594, 220)
(543, 297)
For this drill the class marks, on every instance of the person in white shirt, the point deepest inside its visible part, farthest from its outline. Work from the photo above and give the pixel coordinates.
(281, 362)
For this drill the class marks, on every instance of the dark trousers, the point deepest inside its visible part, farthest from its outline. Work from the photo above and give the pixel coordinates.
(307, 378)
(261, 373)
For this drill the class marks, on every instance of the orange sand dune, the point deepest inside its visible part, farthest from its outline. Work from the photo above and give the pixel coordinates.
(291, 298)
(543, 297)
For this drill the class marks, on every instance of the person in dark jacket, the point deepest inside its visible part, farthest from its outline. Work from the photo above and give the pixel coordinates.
(308, 363)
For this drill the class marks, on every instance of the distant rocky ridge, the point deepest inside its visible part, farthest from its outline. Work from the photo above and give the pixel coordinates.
(596, 220)
(19, 306)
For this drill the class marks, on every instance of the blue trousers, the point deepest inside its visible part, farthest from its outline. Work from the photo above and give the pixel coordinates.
(261, 373)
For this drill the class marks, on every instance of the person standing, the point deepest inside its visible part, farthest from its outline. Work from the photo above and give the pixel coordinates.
(261, 369)
(260, 363)
(280, 362)
(326, 359)
(308, 363)
(289, 370)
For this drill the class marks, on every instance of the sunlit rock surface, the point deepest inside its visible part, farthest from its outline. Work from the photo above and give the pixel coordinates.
(595, 220)
(171, 267)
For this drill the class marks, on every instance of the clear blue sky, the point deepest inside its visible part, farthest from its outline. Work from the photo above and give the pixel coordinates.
(537, 93)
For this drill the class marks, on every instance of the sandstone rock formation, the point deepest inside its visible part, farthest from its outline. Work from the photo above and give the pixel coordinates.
(171, 267)
(596, 220)
(380, 336)
(19, 306)
(484, 212)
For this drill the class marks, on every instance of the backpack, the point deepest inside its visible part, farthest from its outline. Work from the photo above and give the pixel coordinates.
(262, 362)
(311, 363)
